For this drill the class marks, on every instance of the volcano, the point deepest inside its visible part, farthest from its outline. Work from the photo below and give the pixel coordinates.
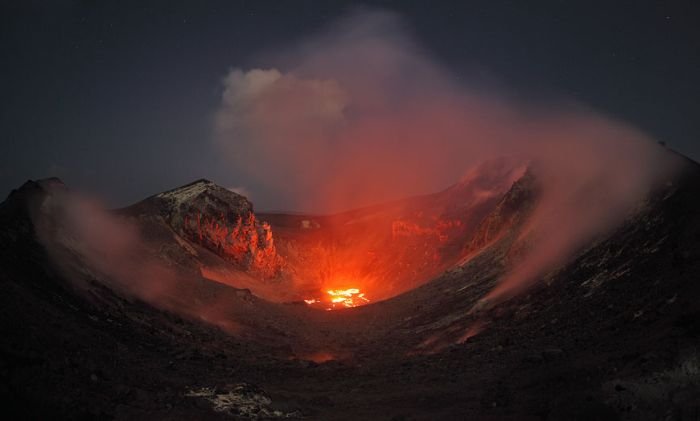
(192, 305)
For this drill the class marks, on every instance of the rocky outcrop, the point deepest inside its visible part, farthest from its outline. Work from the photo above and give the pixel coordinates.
(223, 222)
(512, 210)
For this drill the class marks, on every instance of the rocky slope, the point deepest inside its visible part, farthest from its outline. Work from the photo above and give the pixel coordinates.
(611, 334)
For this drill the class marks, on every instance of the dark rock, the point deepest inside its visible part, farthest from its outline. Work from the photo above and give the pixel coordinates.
(552, 353)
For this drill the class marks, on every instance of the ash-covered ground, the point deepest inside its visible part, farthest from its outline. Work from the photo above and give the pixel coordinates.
(199, 313)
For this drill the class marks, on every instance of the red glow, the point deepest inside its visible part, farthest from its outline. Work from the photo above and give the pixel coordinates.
(247, 243)
(339, 298)
(386, 249)
(327, 135)
(318, 357)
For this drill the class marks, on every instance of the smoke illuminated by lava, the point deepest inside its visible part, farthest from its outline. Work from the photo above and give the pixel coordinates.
(360, 114)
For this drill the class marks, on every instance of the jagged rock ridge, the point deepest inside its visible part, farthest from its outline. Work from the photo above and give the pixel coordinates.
(223, 222)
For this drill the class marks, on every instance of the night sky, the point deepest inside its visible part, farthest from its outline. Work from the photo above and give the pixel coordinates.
(117, 98)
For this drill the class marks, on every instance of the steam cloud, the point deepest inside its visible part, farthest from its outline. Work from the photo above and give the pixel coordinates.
(91, 244)
(360, 113)
(359, 116)
(87, 241)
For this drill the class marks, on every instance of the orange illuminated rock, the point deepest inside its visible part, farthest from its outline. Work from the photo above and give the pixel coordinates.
(221, 221)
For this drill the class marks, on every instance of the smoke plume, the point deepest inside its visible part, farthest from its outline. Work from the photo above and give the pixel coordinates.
(360, 113)
(92, 245)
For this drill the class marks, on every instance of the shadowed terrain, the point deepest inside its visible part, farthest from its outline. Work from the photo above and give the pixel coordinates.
(202, 315)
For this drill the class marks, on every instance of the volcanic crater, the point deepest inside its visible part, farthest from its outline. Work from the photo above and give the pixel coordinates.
(190, 305)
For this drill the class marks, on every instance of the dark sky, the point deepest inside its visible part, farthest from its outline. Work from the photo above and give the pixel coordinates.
(118, 97)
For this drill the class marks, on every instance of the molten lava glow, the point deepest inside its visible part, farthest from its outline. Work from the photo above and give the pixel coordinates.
(348, 297)
(340, 298)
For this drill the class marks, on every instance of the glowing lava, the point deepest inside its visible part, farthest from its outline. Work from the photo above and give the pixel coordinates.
(340, 298)
(348, 297)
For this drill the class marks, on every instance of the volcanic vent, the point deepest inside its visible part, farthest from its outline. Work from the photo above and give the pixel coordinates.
(329, 262)
(373, 253)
